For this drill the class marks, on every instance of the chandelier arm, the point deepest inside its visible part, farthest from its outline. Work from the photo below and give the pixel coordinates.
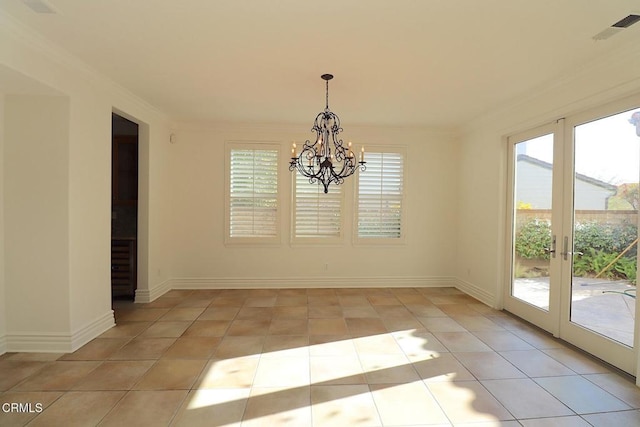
(345, 171)
(341, 153)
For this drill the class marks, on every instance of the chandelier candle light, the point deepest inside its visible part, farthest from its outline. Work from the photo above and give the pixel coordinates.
(326, 160)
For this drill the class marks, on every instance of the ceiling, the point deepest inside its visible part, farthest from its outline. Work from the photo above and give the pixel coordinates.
(436, 63)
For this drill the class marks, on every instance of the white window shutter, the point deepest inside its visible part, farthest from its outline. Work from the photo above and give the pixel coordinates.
(380, 196)
(317, 214)
(253, 190)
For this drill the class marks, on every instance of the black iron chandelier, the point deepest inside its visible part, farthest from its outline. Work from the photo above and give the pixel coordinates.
(326, 159)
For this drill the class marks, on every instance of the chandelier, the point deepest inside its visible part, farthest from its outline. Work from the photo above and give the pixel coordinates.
(326, 159)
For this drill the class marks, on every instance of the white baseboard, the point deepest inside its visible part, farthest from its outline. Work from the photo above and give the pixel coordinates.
(316, 282)
(476, 292)
(59, 343)
(64, 343)
(92, 330)
(148, 295)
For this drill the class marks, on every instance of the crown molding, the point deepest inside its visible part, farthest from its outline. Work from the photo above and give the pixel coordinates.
(56, 54)
(302, 129)
(623, 57)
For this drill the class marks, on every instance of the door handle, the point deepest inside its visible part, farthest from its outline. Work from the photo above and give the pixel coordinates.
(565, 252)
(552, 249)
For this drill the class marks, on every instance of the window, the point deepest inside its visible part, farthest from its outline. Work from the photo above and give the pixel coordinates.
(316, 214)
(381, 197)
(253, 214)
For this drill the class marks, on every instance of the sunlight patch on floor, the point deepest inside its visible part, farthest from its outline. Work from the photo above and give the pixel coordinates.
(203, 398)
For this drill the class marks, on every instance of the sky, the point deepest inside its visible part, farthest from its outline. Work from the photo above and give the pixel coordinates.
(607, 149)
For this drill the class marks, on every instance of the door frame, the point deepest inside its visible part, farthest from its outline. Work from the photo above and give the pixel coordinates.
(546, 320)
(557, 320)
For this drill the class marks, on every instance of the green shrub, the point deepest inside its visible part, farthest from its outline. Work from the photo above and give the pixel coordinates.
(593, 262)
(533, 238)
(599, 243)
(628, 267)
(606, 237)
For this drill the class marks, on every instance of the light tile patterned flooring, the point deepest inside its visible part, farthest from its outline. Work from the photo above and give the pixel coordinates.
(317, 357)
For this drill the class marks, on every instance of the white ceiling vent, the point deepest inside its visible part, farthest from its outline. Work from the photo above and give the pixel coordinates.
(625, 22)
(39, 6)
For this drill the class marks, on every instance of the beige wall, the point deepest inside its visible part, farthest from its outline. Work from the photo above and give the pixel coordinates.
(480, 217)
(198, 194)
(36, 155)
(89, 210)
(69, 216)
(155, 207)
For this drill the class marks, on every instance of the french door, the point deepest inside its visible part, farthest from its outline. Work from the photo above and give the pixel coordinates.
(573, 191)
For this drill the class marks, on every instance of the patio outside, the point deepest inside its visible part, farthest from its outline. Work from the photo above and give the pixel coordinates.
(603, 306)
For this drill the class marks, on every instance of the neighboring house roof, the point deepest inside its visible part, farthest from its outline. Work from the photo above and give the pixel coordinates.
(581, 177)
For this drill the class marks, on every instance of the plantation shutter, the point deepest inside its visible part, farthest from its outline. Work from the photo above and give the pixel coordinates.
(253, 192)
(380, 196)
(317, 214)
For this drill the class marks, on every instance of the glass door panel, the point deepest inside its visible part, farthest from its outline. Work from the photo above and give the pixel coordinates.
(533, 243)
(574, 193)
(605, 238)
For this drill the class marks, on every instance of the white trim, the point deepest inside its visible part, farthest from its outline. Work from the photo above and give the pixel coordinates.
(151, 294)
(39, 343)
(3, 345)
(477, 292)
(300, 129)
(48, 342)
(305, 282)
(92, 330)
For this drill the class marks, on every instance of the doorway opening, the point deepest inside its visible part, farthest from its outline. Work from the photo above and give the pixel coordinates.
(124, 207)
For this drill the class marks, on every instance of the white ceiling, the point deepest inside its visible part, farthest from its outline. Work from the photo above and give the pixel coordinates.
(432, 63)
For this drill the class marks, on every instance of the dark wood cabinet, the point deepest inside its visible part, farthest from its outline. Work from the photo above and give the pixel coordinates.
(123, 267)
(124, 170)
(124, 193)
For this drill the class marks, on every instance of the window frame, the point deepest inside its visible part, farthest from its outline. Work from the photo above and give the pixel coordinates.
(377, 241)
(255, 240)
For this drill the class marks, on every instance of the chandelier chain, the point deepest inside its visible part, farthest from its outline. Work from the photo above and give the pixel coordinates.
(327, 106)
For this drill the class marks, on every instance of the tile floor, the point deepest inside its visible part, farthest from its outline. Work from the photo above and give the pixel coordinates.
(316, 357)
